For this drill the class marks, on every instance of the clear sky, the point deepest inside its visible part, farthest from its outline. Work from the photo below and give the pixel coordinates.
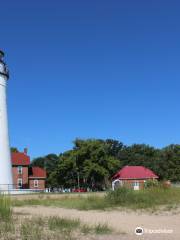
(91, 69)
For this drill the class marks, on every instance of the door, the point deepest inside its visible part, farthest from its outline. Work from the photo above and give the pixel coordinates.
(136, 185)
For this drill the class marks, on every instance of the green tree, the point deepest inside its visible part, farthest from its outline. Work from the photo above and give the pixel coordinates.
(49, 163)
(91, 162)
(140, 155)
(169, 163)
(14, 149)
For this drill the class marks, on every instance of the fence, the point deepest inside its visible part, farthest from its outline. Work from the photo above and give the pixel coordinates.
(12, 189)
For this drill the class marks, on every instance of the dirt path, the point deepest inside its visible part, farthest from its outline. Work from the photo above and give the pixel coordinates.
(121, 221)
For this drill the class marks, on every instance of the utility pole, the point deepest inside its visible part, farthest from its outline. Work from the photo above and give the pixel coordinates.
(77, 170)
(78, 179)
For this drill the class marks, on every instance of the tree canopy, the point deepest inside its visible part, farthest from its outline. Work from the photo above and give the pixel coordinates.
(92, 162)
(14, 149)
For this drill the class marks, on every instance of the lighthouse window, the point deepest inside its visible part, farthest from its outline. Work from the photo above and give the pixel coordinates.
(19, 169)
(19, 182)
(35, 183)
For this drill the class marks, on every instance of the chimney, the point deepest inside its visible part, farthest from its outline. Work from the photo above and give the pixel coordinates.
(25, 151)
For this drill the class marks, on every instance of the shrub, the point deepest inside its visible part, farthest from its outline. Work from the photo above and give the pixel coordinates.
(166, 184)
(151, 183)
(119, 196)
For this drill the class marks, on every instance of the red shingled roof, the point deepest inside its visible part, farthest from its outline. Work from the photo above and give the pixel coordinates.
(135, 172)
(37, 172)
(18, 158)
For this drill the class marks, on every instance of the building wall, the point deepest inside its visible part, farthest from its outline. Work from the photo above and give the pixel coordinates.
(41, 184)
(24, 176)
(129, 183)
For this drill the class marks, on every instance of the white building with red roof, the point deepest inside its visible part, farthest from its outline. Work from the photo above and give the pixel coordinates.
(133, 177)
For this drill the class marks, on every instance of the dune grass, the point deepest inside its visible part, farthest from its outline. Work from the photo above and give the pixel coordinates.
(68, 225)
(123, 197)
(22, 227)
(102, 229)
(5, 208)
(52, 228)
(148, 198)
(33, 228)
(56, 223)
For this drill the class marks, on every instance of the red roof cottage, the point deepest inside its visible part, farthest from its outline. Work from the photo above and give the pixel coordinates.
(133, 177)
(24, 176)
(37, 178)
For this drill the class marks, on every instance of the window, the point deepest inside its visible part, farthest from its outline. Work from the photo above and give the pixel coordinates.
(36, 183)
(135, 184)
(19, 169)
(19, 182)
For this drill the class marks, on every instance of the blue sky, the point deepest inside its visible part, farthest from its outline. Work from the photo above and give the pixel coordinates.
(91, 69)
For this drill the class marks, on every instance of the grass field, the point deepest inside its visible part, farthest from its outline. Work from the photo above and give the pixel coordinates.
(144, 199)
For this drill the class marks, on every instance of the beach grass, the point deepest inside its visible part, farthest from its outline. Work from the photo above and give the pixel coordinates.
(122, 197)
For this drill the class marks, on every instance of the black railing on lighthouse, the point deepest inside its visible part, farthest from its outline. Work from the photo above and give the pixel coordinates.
(5, 70)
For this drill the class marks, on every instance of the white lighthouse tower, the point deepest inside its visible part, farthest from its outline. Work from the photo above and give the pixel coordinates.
(5, 156)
